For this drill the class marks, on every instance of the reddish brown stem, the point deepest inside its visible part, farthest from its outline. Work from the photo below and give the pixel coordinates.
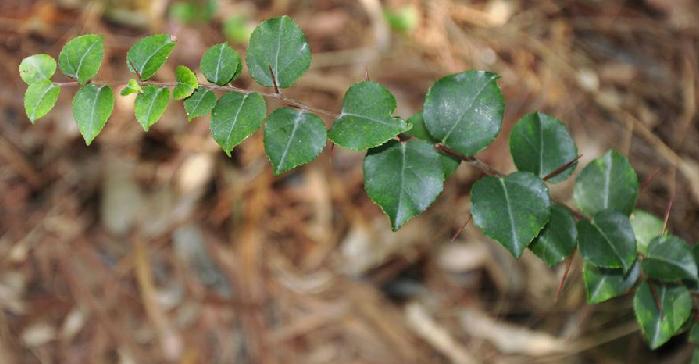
(562, 168)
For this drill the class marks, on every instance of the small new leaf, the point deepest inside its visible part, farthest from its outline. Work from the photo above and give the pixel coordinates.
(512, 210)
(236, 117)
(150, 105)
(200, 103)
(292, 138)
(661, 312)
(608, 182)
(365, 120)
(149, 54)
(40, 98)
(646, 226)
(557, 241)
(669, 259)
(39, 67)
(607, 241)
(81, 58)
(221, 64)
(92, 106)
(602, 284)
(133, 87)
(186, 83)
(403, 178)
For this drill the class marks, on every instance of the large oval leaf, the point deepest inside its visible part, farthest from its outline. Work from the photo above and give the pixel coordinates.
(661, 311)
(147, 55)
(221, 64)
(38, 67)
(540, 144)
(512, 209)
(365, 120)
(464, 111)
(81, 57)
(403, 178)
(200, 103)
(236, 117)
(150, 105)
(602, 284)
(557, 241)
(292, 138)
(416, 123)
(669, 258)
(186, 83)
(646, 226)
(607, 241)
(280, 45)
(40, 98)
(92, 106)
(608, 182)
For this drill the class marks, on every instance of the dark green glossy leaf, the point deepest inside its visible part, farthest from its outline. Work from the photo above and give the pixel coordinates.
(607, 240)
(38, 67)
(150, 105)
(669, 259)
(602, 284)
(403, 178)
(512, 210)
(40, 98)
(221, 64)
(557, 241)
(365, 120)
(660, 323)
(464, 111)
(149, 54)
(279, 44)
(200, 103)
(81, 57)
(646, 226)
(236, 117)
(608, 182)
(133, 87)
(186, 83)
(540, 144)
(292, 138)
(418, 130)
(92, 106)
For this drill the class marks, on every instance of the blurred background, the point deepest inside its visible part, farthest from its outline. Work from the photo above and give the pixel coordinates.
(157, 248)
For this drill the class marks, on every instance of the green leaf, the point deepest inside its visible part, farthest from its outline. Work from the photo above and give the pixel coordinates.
(540, 144)
(365, 120)
(602, 284)
(418, 130)
(92, 106)
(133, 87)
(150, 105)
(646, 226)
(292, 138)
(186, 83)
(236, 117)
(557, 241)
(403, 19)
(40, 98)
(39, 67)
(200, 103)
(403, 178)
(608, 182)
(278, 43)
(660, 323)
(221, 64)
(149, 54)
(81, 57)
(512, 210)
(669, 259)
(236, 29)
(694, 334)
(464, 111)
(607, 240)
(695, 356)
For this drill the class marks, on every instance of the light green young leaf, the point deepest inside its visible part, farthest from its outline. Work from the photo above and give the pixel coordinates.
(92, 106)
(221, 64)
(236, 117)
(557, 241)
(150, 105)
(403, 178)
(418, 130)
(40, 98)
(236, 29)
(659, 324)
(186, 83)
(608, 182)
(365, 120)
(81, 57)
(133, 87)
(464, 111)
(38, 67)
(200, 103)
(279, 44)
(512, 210)
(540, 144)
(607, 241)
(602, 284)
(403, 19)
(292, 138)
(646, 226)
(669, 258)
(149, 54)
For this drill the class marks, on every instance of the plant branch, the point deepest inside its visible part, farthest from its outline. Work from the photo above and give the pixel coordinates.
(482, 166)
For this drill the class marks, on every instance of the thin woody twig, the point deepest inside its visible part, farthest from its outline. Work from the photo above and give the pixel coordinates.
(562, 168)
